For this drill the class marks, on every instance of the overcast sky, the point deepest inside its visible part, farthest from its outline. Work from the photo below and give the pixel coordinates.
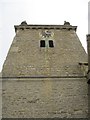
(13, 12)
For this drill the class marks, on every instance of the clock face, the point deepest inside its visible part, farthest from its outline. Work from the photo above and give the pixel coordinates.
(46, 34)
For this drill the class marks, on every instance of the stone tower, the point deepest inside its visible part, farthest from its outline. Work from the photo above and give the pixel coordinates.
(44, 74)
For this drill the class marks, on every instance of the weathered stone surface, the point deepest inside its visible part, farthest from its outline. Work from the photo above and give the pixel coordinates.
(45, 82)
(45, 98)
(26, 58)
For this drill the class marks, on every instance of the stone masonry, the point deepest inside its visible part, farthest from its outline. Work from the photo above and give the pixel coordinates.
(44, 74)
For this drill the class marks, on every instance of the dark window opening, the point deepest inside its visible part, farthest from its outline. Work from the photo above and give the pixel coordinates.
(51, 43)
(42, 43)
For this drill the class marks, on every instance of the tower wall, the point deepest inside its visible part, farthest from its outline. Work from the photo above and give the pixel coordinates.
(45, 82)
(26, 58)
(45, 98)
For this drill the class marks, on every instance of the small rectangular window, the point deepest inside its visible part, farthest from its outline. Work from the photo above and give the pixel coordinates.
(42, 43)
(51, 43)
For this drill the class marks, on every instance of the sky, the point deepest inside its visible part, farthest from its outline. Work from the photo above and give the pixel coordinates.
(13, 12)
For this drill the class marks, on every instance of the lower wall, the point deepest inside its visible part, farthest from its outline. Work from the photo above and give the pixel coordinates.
(44, 98)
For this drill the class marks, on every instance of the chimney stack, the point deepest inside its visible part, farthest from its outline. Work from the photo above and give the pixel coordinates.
(88, 48)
